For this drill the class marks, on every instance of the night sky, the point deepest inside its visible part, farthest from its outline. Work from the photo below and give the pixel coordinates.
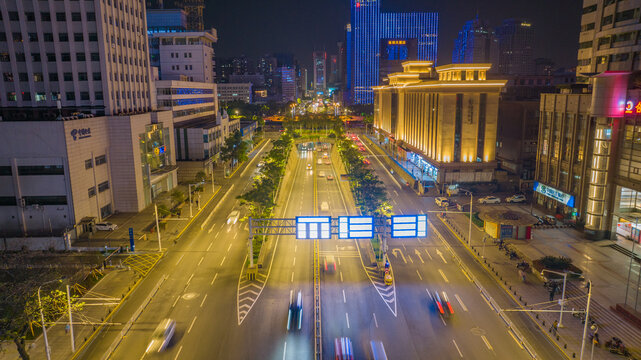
(258, 27)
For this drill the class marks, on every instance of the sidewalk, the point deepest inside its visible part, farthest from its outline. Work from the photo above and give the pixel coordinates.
(602, 265)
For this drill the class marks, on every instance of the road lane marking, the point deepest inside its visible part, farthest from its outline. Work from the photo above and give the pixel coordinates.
(235, 235)
(428, 254)
(487, 343)
(339, 260)
(192, 324)
(344, 299)
(347, 319)
(181, 257)
(217, 233)
(443, 320)
(224, 257)
(212, 229)
(430, 294)
(457, 349)
(294, 263)
(409, 257)
(587, 257)
(419, 274)
(176, 302)
(201, 260)
(214, 279)
(375, 321)
(229, 247)
(209, 247)
(465, 273)
(285, 351)
(191, 277)
(442, 274)
(178, 353)
(460, 302)
(292, 280)
(203, 302)
(341, 276)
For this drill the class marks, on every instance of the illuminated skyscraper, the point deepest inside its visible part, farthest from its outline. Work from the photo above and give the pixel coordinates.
(320, 71)
(379, 35)
(473, 44)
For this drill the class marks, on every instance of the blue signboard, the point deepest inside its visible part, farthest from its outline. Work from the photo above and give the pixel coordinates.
(355, 227)
(555, 194)
(131, 239)
(313, 227)
(404, 226)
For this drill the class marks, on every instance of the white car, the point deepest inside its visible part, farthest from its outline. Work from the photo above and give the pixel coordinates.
(324, 206)
(261, 164)
(321, 174)
(233, 217)
(105, 226)
(441, 201)
(309, 166)
(162, 336)
(490, 200)
(515, 199)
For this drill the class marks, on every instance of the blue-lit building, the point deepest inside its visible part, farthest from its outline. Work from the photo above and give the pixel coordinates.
(376, 38)
(474, 44)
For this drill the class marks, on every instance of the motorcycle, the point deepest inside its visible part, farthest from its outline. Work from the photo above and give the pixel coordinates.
(615, 346)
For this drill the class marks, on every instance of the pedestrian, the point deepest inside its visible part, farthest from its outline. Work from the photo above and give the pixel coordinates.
(522, 275)
(555, 326)
(67, 329)
(552, 291)
(587, 286)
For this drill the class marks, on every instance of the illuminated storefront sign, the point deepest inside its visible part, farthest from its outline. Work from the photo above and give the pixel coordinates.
(555, 194)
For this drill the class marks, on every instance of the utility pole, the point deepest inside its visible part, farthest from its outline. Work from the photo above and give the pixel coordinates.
(73, 344)
(213, 189)
(157, 227)
(44, 328)
(587, 318)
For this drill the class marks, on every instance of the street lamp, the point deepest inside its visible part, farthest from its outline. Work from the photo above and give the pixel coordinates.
(565, 277)
(469, 230)
(587, 318)
(595, 329)
(190, 212)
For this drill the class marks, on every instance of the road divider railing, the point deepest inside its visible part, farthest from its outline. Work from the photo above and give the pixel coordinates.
(514, 332)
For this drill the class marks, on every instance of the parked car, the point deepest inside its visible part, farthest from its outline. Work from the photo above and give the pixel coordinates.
(549, 219)
(321, 174)
(540, 220)
(442, 201)
(261, 164)
(515, 199)
(106, 226)
(490, 200)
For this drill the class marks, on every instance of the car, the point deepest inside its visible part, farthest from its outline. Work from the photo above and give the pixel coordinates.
(309, 166)
(326, 161)
(442, 304)
(324, 206)
(261, 164)
(105, 226)
(330, 177)
(378, 350)
(366, 162)
(490, 200)
(295, 311)
(330, 264)
(233, 217)
(442, 201)
(549, 219)
(319, 162)
(515, 199)
(321, 174)
(343, 349)
(463, 207)
(161, 337)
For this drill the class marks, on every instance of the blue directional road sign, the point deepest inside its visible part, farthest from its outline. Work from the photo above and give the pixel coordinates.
(404, 226)
(355, 227)
(313, 227)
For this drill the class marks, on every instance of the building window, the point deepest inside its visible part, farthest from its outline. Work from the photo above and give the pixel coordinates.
(41, 170)
(91, 16)
(71, 95)
(585, 45)
(99, 95)
(91, 191)
(103, 186)
(53, 76)
(607, 20)
(625, 15)
(45, 200)
(75, 16)
(41, 96)
(48, 37)
(88, 164)
(17, 37)
(20, 57)
(4, 57)
(11, 96)
(68, 76)
(97, 76)
(8, 200)
(3, 36)
(95, 56)
(77, 37)
(37, 77)
(589, 9)
(63, 37)
(458, 124)
(45, 16)
(26, 96)
(8, 77)
(13, 16)
(51, 57)
(93, 37)
(35, 57)
(30, 16)
(61, 16)
(33, 37)
(102, 159)
(105, 211)
(480, 147)
(84, 95)
(81, 56)
(23, 76)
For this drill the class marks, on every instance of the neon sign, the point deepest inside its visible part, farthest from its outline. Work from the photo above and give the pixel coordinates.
(632, 108)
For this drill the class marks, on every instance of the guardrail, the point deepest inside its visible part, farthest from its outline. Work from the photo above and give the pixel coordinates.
(514, 332)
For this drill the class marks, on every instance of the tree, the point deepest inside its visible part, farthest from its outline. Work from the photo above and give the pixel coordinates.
(201, 176)
(177, 197)
(235, 148)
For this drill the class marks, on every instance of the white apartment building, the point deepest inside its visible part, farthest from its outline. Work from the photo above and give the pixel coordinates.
(188, 54)
(90, 55)
(188, 100)
(235, 91)
(608, 39)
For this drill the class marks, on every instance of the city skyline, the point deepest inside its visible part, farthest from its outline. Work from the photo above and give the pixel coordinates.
(322, 28)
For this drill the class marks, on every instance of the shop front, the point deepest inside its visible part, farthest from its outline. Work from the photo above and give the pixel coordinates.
(556, 201)
(627, 216)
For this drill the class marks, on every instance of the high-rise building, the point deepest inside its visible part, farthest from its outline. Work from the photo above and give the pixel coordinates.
(369, 26)
(287, 84)
(515, 41)
(607, 40)
(93, 61)
(186, 56)
(341, 57)
(193, 9)
(166, 20)
(320, 71)
(473, 44)
(332, 77)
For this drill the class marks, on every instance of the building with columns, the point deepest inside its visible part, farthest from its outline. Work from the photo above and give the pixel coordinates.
(443, 119)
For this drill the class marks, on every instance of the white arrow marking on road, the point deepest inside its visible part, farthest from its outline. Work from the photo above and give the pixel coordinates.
(441, 255)
(178, 353)
(375, 322)
(428, 254)
(203, 302)
(418, 253)
(397, 251)
(419, 274)
(460, 302)
(459, 350)
(192, 324)
(214, 279)
(487, 343)
(443, 275)
(347, 319)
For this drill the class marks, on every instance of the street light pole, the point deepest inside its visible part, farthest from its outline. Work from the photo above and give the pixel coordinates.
(213, 189)
(189, 191)
(595, 328)
(73, 344)
(469, 235)
(587, 318)
(44, 328)
(565, 277)
(157, 227)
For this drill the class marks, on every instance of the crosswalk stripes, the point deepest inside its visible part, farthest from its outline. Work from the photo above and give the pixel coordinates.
(248, 293)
